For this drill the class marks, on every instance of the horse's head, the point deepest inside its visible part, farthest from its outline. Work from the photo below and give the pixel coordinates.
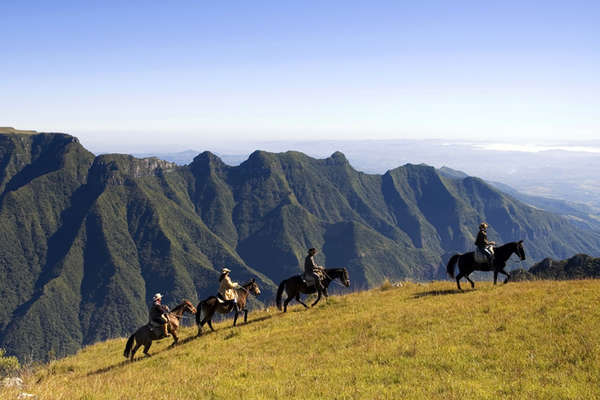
(253, 287)
(520, 251)
(345, 277)
(189, 307)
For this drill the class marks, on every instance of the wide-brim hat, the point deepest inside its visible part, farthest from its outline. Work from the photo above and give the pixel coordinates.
(157, 296)
(312, 250)
(225, 271)
(483, 225)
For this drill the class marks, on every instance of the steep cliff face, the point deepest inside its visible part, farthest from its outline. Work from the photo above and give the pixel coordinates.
(86, 241)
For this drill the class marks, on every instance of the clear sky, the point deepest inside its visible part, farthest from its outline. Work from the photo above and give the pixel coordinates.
(192, 71)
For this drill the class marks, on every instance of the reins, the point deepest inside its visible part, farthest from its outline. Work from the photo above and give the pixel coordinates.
(332, 279)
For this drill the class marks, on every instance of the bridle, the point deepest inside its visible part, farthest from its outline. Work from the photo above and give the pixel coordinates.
(333, 280)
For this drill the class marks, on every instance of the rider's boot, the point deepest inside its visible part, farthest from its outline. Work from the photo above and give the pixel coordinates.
(319, 285)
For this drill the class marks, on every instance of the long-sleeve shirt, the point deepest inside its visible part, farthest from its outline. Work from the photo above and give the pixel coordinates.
(481, 242)
(157, 311)
(310, 265)
(226, 288)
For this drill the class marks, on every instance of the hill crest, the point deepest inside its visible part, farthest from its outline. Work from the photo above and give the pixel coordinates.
(96, 237)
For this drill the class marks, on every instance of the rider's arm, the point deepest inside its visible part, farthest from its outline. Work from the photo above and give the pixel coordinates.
(228, 283)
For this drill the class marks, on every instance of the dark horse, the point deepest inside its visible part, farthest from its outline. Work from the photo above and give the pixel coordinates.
(211, 305)
(467, 264)
(144, 336)
(295, 285)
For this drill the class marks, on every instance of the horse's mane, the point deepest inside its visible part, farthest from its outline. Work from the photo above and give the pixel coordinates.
(182, 305)
(505, 247)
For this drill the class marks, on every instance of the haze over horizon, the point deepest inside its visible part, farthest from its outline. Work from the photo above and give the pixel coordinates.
(164, 73)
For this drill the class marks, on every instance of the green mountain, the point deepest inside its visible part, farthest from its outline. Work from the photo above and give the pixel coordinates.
(578, 214)
(86, 241)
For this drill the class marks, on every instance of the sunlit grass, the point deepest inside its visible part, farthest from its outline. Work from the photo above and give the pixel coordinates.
(522, 340)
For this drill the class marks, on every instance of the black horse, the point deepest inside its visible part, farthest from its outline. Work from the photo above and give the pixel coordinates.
(295, 285)
(467, 263)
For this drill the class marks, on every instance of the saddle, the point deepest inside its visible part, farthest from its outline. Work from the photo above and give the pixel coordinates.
(309, 280)
(156, 330)
(480, 257)
(221, 301)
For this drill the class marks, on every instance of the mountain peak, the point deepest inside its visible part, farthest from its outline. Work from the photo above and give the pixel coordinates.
(11, 130)
(337, 158)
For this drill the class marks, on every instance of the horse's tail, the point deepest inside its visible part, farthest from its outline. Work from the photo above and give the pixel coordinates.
(128, 346)
(451, 265)
(280, 293)
(199, 312)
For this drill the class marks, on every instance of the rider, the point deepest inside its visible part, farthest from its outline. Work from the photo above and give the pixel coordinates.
(158, 315)
(483, 244)
(312, 271)
(226, 292)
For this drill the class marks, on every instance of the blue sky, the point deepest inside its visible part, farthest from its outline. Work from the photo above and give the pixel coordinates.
(197, 71)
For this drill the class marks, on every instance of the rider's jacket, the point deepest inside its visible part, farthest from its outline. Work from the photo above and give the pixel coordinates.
(156, 313)
(310, 266)
(226, 288)
(481, 242)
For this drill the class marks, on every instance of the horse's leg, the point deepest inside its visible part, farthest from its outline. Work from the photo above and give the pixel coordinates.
(208, 319)
(175, 339)
(146, 348)
(135, 348)
(285, 303)
(318, 298)
(245, 315)
(235, 317)
(300, 301)
(502, 271)
(460, 275)
(495, 276)
(472, 283)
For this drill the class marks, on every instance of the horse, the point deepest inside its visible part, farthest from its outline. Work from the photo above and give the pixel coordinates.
(295, 285)
(467, 263)
(212, 304)
(145, 335)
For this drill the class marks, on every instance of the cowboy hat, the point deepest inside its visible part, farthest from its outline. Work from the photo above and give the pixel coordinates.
(157, 296)
(225, 270)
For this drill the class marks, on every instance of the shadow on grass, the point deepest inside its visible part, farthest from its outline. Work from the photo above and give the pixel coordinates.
(207, 330)
(140, 355)
(109, 368)
(437, 293)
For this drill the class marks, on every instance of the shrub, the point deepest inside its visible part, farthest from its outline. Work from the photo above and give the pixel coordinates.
(386, 285)
(7, 364)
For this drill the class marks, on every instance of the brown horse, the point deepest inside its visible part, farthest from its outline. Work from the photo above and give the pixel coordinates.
(145, 335)
(211, 305)
(295, 285)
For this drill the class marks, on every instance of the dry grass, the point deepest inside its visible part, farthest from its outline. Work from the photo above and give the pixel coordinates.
(523, 340)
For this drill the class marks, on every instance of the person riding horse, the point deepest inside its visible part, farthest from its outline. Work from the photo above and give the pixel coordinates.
(226, 292)
(313, 273)
(485, 246)
(158, 316)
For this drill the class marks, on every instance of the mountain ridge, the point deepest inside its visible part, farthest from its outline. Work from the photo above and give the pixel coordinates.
(89, 239)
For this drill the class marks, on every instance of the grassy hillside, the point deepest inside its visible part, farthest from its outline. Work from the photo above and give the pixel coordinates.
(87, 240)
(523, 340)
